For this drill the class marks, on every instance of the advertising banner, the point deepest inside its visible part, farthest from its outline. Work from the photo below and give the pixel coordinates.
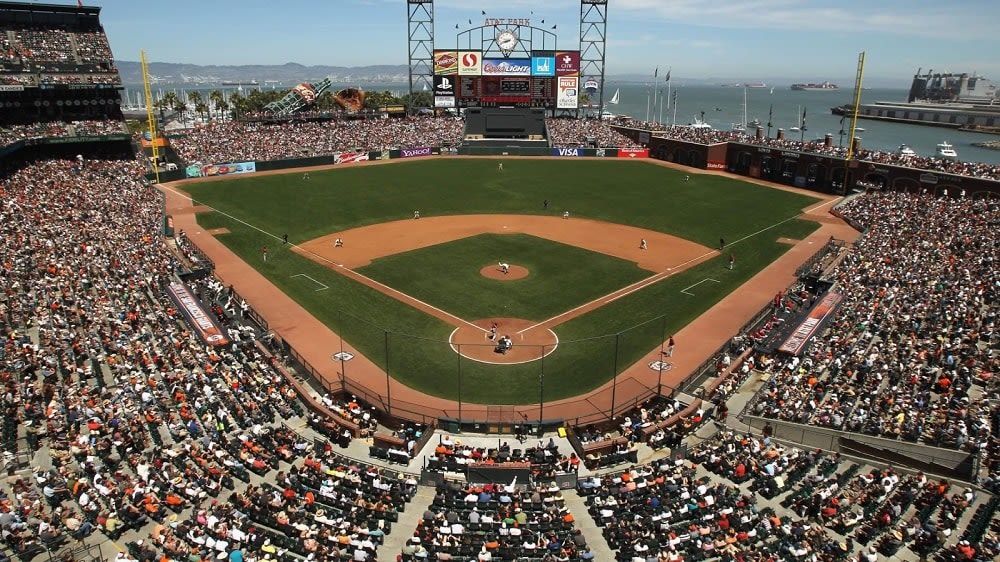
(507, 67)
(348, 157)
(543, 66)
(811, 324)
(444, 101)
(716, 165)
(643, 137)
(415, 152)
(567, 152)
(231, 168)
(444, 86)
(567, 96)
(568, 63)
(470, 63)
(633, 153)
(445, 62)
(200, 319)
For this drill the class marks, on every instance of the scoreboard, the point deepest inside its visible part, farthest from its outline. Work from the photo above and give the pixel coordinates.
(493, 91)
(545, 79)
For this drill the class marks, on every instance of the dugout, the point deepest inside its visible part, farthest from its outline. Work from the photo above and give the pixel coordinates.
(511, 126)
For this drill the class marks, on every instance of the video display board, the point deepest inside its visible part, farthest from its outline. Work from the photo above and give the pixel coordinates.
(529, 82)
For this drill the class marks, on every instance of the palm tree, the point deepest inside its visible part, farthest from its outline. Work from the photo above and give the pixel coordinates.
(181, 107)
(217, 98)
(222, 106)
(195, 97)
(202, 108)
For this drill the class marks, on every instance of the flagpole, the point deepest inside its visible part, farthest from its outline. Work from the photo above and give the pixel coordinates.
(656, 87)
(673, 121)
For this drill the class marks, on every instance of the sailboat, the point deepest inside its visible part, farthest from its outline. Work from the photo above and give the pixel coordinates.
(742, 126)
(605, 114)
(798, 117)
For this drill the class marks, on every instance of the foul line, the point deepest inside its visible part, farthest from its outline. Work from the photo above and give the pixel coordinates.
(323, 259)
(638, 285)
(323, 287)
(685, 289)
(610, 297)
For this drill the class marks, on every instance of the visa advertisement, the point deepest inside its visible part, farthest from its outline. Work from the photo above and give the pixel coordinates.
(567, 93)
(507, 67)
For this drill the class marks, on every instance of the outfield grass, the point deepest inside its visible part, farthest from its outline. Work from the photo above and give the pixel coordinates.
(447, 276)
(629, 192)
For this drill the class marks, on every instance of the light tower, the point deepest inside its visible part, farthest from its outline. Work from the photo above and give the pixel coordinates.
(420, 24)
(593, 40)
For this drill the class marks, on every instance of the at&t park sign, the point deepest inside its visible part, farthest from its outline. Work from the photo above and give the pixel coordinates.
(507, 21)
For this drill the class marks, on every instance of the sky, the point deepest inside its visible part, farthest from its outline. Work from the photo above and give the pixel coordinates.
(749, 40)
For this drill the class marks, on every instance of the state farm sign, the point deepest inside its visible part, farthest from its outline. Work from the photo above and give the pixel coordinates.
(507, 67)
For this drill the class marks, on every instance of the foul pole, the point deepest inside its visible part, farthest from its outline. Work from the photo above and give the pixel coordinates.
(150, 118)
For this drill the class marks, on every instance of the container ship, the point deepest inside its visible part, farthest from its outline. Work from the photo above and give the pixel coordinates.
(810, 87)
(756, 85)
(943, 100)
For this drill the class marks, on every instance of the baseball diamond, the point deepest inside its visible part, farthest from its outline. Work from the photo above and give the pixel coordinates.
(400, 289)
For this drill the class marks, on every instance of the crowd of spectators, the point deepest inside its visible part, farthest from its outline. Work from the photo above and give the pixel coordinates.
(497, 522)
(586, 133)
(12, 133)
(237, 141)
(39, 45)
(139, 418)
(911, 352)
(712, 136)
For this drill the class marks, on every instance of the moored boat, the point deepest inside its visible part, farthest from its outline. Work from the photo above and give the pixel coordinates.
(946, 151)
(811, 87)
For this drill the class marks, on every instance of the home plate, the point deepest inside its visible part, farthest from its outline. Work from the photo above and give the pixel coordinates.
(505, 226)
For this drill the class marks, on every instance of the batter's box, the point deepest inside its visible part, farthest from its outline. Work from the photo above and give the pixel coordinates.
(685, 289)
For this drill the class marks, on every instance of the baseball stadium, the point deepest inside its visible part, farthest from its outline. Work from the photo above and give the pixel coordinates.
(478, 322)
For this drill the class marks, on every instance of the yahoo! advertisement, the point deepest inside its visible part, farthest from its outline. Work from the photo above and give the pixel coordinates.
(415, 152)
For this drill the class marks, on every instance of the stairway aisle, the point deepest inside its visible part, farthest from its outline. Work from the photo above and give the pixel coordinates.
(403, 529)
(585, 522)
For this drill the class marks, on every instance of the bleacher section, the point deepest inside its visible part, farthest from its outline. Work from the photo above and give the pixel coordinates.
(55, 64)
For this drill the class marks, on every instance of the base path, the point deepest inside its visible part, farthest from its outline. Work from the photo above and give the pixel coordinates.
(315, 342)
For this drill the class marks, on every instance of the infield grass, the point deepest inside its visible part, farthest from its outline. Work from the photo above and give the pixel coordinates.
(411, 345)
(447, 277)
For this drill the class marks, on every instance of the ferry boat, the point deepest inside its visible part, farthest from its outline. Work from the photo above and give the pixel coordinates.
(756, 85)
(905, 150)
(811, 87)
(946, 151)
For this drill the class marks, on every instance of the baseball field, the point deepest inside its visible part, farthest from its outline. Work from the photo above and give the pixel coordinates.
(582, 300)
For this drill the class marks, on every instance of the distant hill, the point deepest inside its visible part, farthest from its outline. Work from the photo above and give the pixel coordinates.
(288, 74)
(291, 73)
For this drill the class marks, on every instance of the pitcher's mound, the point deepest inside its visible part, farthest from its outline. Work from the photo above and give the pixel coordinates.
(528, 341)
(513, 272)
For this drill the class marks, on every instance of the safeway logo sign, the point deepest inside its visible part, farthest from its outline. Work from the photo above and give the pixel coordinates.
(566, 152)
(470, 63)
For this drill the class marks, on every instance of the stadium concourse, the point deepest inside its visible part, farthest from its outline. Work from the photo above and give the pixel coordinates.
(124, 430)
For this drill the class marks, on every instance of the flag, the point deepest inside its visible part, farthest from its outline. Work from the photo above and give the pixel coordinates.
(803, 119)
(79, 3)
(656, 72)
(668, 76)
(770, 114)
